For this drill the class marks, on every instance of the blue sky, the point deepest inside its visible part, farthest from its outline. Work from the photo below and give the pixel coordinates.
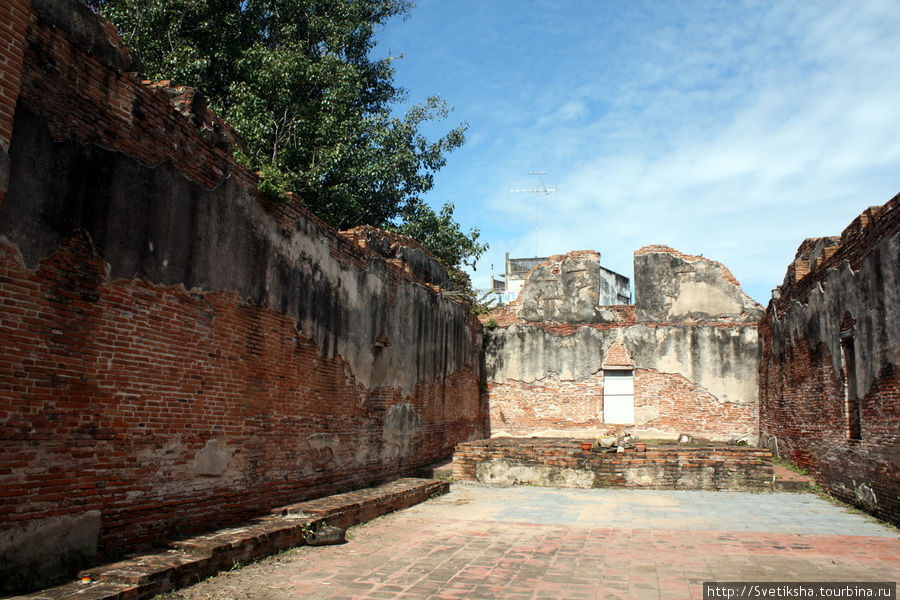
(728, 129)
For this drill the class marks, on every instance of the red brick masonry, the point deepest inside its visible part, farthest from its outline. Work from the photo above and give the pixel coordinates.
(839, 297)
(189, 560)
(660, 467)
(138, 407)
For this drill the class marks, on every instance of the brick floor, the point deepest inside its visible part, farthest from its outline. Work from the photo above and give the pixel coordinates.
(518, 543)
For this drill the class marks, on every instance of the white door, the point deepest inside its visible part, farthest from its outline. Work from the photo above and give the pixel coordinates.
(618, 397)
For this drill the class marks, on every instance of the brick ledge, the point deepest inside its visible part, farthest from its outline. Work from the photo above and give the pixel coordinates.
(202, 556)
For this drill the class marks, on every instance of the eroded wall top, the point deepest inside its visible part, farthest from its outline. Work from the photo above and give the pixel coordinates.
(402, 252)
(672, 287)
(840, 287)
(571, 288)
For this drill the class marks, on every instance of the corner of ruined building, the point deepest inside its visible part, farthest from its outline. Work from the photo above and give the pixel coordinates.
(401, 251)
(93, 33)
(814, 255)
(190, 103)
(811, 253)
(672, 287)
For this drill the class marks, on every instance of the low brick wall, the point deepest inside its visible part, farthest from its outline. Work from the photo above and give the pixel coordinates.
(187, 561)
(562, 463)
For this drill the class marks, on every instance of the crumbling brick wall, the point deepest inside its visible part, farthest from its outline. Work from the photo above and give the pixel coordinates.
(177, 353)
(830, 339)
(562, 463)
(689, 343)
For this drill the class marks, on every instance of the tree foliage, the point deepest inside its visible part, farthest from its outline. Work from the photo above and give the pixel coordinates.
(297, 80)
(440, 234)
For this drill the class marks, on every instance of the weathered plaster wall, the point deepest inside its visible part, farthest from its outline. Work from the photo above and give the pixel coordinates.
(176, 354)
(720, 359)
(695, 368)
(839, 290)
(676, 287)
(570, 289)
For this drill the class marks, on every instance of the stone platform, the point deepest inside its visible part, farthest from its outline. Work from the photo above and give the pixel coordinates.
(190, 560)
(561, 462)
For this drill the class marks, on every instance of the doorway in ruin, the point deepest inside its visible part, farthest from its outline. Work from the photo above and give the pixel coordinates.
(851, 400)
(618, 396)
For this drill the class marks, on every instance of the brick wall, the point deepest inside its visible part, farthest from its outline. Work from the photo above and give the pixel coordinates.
(551, 403)
(118, 386)
(830, 335)
(13, 24)
(85, 98)
(670, 402)
(177, 353)
(665, 404)
(561, 462)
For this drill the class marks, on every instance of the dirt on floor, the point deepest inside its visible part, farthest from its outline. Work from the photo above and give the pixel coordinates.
(254, 580)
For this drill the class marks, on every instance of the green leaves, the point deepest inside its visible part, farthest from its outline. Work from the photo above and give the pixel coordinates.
(440, 234)
(297, 81)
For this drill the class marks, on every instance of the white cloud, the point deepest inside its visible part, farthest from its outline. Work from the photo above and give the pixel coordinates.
(736, 139)
(568, 111)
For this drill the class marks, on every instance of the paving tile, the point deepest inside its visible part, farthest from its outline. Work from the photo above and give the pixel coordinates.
(477, 544)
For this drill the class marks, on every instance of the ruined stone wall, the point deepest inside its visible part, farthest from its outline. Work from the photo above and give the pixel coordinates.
(690, 342)
(176, 354)
(830, 344)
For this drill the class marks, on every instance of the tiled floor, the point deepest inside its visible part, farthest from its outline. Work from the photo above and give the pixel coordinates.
(523, 542)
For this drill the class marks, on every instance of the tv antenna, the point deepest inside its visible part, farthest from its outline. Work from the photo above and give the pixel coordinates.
(540, 188)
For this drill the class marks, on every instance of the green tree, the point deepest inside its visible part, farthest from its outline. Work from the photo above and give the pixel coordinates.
(440, 234)
(297, 80)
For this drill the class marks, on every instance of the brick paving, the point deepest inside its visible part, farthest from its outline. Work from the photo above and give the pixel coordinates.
(533, 543)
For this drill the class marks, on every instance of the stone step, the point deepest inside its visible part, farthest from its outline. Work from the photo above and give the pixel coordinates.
(787, 480)
(442, 471)
(187, 561)
(792, 486)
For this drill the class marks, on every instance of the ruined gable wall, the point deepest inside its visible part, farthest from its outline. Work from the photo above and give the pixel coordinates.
(839, 290)
(175, 354)
(694, 361)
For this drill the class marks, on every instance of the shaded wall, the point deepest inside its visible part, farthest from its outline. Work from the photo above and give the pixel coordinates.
(176, 354)
(690, 343)
(830, 339)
